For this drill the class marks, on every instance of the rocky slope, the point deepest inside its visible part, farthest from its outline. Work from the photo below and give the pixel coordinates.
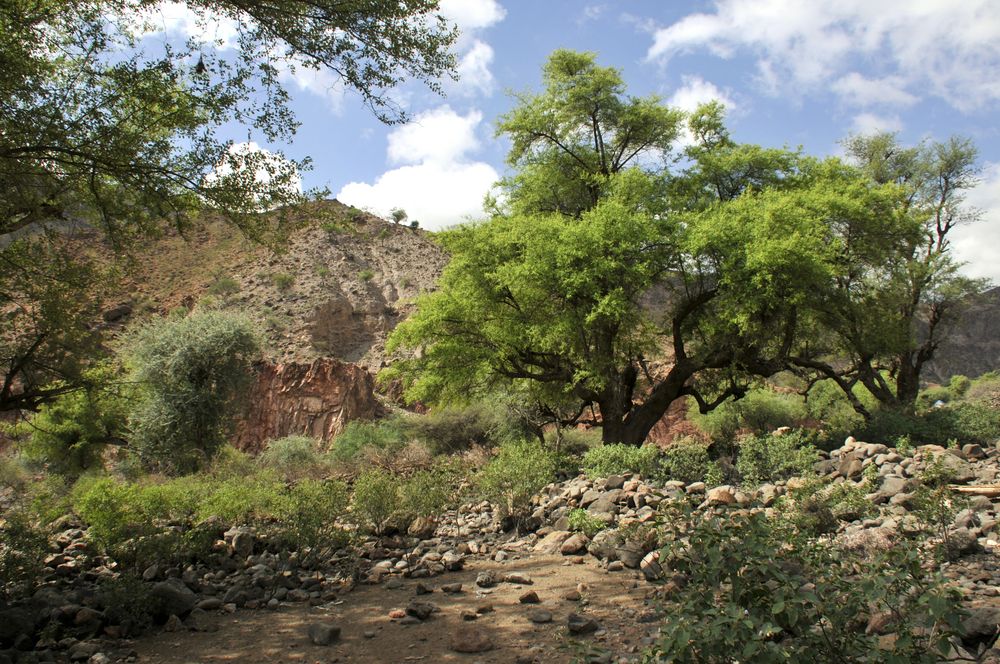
(973, 346)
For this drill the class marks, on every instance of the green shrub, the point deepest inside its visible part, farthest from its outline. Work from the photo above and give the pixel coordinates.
(71, 433)
(931, 395)
(224, 287)
(817, 506)
(966, 422)
(514, 475)
(429, 492)
(308, 516)
(192, 372)
(771, 458)
(292, 456)
(366, 275)
(22, 548)
(127, 602)
(572, 441)
(958, 386)
(388, 434)
(758, 590)
(618, 459)
(377, 499)
(688, 461)
(456, 429)
(582, 521)
(282, 280)
(936, 506)
(828, 404)
(760, 411)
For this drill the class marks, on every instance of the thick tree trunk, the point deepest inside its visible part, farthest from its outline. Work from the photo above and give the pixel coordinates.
(629, 423)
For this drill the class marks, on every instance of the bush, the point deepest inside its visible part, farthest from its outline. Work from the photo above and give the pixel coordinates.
(192, 372)
(965, 422)
(514, 475)
(931, 395)
(618, 459)
(760, 591)
(763, 459)
(282, 280)
(366, 275)
(429, 492)
(22, 548)
(574, 442)
(456, 429)
(71, 433)
(582, 521)
(688, 461)
(224, 287)
(377, 499)
(388, 434)
(292, 456)
(760, 411)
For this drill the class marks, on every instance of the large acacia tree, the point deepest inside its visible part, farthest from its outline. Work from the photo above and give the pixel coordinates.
(553, 294)
(103, 128)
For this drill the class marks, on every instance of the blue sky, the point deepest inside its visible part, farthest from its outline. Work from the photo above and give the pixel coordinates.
(791, 72)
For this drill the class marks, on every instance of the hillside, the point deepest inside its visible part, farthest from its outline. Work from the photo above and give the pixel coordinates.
(973, 347)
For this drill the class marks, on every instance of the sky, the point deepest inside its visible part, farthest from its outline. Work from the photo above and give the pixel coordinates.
(790, 72)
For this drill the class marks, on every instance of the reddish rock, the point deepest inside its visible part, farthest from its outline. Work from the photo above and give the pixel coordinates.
(314, 400)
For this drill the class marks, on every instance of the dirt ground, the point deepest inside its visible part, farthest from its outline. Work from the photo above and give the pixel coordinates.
(618, 600)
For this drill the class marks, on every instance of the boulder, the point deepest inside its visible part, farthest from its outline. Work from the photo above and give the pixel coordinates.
(470, 639)
(172, 598)
(574, 544)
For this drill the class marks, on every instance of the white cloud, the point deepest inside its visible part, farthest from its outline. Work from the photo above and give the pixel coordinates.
(944, 49)
(978, 243)
(438, 185)
(177, 18)
(871, 123)
(591, 13)
(472, 15)
(320, 82)
(256, 170)
(438, 135)
(695, 91)
(474, 75)
(857, 90)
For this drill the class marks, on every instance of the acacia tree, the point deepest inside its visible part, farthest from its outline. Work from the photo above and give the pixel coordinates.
(550, 295)
(911, 280)
(101, 128)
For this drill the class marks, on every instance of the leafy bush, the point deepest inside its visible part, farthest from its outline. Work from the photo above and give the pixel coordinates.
(428, 492)
(377, 499)
(292, 456)
(931, 395)
(455, 429)
(966, 422)
(515, 474)
(366, 275)
(22, 548)
(582, 521)
(760, 411)
(388, 434)
(817, 506)
(224, 286)
(71, 433)
(618, 459)
(192, 372)
(688, 461)
(757, 590)
(282, 280)
(828, 404)
(576, 442)
(771, 458)
(127, 602)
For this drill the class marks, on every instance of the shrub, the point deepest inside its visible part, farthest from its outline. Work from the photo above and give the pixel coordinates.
(282, 280)
(456, 429)
(771, 458)
(428, 492)
(366, 275)
(572, 441)
(958, 386)
(376, 500)
(224, 287)
(760, 411)
(292, 456)
(688, 461)
(192, 372)
(127, 602)
(582, 521)
(388, 434)
(71, 433)
(22, 548)
(760, 591)
(514, 475)
(618, 459)
(966, 422)
(818, 505)
(931, 395)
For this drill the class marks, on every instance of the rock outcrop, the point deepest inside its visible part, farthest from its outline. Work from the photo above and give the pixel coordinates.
(315, 399)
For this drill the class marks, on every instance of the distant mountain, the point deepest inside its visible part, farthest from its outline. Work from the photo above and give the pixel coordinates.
(973, 346)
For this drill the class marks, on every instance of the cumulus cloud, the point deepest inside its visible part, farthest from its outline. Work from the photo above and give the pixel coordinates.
(474, 75)
(472, 15)
(437, 182)
(948, 50)
(858, 90)
(695, 90)
(474, 55)
(870, 123)
(978, 243)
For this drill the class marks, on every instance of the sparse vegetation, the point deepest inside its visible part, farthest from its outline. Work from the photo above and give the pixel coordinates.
(366, 275)
(282, 280)
(618, 459)
(513, 476)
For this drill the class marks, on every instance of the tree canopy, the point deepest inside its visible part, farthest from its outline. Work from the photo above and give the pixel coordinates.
(102, 128)
(585, 274)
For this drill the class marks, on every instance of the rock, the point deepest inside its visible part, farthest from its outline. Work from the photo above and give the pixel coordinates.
(451, 588)
(572, 596)
(695, 487)
(981, 625)
(517, 579)
(961, 542)
(578, 624)
(486, 579)
(650, 566)
(552, 542)
(530, 597)
(604, 544)
(243, 542)
(614, 482)
(323, 634)
(209, 604)
(84, 650)
(540, 616)
(574, 544)
(173, 624)
(422, 528)
(606, 503)
(721, 495)
(850, 466)
(616, 566)
(172, 597)
(421, 610)
(469, 639)
(15, 621)
(200, 621)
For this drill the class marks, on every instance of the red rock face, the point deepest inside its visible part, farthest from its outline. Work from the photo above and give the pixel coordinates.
(314, 400)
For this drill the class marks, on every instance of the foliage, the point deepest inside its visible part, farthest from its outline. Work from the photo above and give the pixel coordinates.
(514, 475)
(457, 428)
(967, 422)
(224, 286)
(388, 434)
(816, 507)
(127, 601)
(398, 215)
(618, 459)
(366, 275)
(760, 411)
(573, 441)
(757, 590)
(22, 548)
(192, 372)
(771, 458)
(582, 521)
(935, 505)
(282, 280)
(292, 456)
(545, 298)
(428, 492)
(71, 432)
(377, 499)
(688, 461)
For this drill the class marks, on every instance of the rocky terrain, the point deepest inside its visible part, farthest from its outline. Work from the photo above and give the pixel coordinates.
(462, 584)
(973, 347)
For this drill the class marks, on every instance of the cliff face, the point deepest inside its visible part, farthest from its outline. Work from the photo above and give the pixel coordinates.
(973, 346)
(315, 399)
